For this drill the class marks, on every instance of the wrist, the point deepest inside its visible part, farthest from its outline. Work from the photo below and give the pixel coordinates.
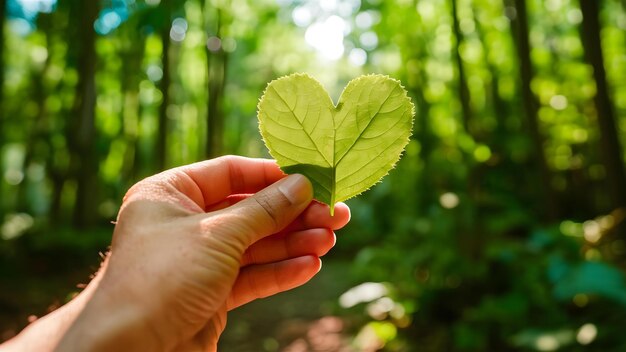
(45, 333)
(108, 322)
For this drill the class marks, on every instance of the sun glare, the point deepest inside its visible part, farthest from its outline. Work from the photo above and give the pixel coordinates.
(327, 37)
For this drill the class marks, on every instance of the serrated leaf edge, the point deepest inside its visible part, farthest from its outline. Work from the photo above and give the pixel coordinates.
(336, 105)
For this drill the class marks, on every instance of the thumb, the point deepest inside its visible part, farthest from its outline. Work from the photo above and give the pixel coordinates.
(273, 208)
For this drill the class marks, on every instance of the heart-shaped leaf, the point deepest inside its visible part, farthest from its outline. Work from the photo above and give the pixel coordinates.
(343, 149)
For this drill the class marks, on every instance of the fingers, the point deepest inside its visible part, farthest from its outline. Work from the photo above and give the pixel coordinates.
(275, 248)
(318, 215)
(264, 280)
(209, 182)
(270, 210)
(221, 177)
(227, 202)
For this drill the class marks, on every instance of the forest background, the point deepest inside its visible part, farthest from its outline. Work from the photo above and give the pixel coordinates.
(501, 229)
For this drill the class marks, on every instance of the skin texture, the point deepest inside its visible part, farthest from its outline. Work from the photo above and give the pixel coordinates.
(190, 244)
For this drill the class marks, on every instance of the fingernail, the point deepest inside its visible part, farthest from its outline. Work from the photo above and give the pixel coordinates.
(296, 188)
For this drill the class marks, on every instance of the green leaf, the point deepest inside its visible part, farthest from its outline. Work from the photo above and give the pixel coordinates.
(343, 149)
(594, 278)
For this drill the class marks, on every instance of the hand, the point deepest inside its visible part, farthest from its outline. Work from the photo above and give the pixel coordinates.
(190, 244)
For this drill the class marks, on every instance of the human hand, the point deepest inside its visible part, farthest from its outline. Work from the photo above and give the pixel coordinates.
(191, 243)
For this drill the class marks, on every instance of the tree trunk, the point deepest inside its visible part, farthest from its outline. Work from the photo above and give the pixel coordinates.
(464, 94)
(423, 133)
(610, 147)
(216, 69)
(39, 130)
(132, 54)
(60, 170)
(82, 128)
(545, 193)
(3, 5)
(499, 107)
(131, 117)
(164, 87)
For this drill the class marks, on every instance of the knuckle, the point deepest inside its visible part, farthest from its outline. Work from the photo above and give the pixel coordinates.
(269, 208)
(256, 288)
(129, 210)
(221, 234)
(147, 188)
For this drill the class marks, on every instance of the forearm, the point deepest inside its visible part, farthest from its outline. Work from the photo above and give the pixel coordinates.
(45, 333)
(107, 323)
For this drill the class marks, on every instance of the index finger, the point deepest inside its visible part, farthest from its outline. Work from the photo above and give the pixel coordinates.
(208, 182)
(221, 177)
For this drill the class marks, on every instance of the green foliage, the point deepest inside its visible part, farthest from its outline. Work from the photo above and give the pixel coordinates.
(342, 149)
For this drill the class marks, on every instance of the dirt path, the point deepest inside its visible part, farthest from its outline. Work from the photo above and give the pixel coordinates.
(303, 319)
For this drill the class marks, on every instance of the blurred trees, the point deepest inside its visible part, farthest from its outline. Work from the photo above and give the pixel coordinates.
(500, 229)
(81, 131)
(521, 35)
(609, 140)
